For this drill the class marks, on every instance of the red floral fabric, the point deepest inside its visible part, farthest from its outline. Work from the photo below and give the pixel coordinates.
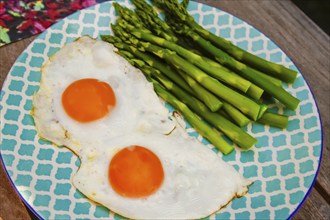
(23, 18)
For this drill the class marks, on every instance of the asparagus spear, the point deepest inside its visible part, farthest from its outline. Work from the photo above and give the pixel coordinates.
(251, 74)
(237, 116)
(269, 78)
(254, 92)
(124, 24)
(145, 10)
(246, 105)
(208, 65)
(128, 15)
(205, 64)
(151, 25)
(236, 134)
(180, 14)
(210, 100)
(200, 126)
(274, 120)
(149, 19)
(277, 70)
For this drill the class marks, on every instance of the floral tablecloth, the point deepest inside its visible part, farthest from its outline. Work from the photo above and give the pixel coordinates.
(22, 18)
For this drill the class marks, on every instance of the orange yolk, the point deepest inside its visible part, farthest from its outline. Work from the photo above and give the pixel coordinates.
(135, 172)
(86, 100)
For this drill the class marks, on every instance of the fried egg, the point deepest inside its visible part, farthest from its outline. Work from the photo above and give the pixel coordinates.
(135, 160)
(154, 176)
(88, 93)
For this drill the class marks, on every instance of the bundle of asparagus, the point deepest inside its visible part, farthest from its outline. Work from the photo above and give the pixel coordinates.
(208, 80)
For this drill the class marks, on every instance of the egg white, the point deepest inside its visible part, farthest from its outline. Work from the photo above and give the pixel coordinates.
(196, 183)
(137, 107)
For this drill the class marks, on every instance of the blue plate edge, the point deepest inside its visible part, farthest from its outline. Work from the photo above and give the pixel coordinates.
(290, 60)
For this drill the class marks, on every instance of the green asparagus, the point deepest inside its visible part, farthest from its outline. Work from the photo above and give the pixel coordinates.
(251, 74)
(236, 134)
(201, 127)
(244, 104)
(205, 64)
(274, 120)
(180, 14)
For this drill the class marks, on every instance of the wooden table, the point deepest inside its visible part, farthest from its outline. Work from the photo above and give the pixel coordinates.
(305, 43)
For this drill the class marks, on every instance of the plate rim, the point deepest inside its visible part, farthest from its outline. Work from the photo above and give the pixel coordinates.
(317, 171)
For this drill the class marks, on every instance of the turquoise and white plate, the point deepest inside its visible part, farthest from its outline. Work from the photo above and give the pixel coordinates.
(283, 164)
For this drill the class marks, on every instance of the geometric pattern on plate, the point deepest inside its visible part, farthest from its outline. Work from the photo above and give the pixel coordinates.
(283, 163)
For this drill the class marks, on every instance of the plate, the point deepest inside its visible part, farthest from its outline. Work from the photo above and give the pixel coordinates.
(283, 164)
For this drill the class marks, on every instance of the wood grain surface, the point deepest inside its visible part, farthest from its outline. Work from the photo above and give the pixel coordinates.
(280, 20)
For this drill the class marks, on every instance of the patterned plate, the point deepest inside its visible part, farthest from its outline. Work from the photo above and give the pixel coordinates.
(283, 164)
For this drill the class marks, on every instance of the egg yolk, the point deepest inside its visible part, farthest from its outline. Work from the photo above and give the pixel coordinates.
(87, 100)
(135, 172)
